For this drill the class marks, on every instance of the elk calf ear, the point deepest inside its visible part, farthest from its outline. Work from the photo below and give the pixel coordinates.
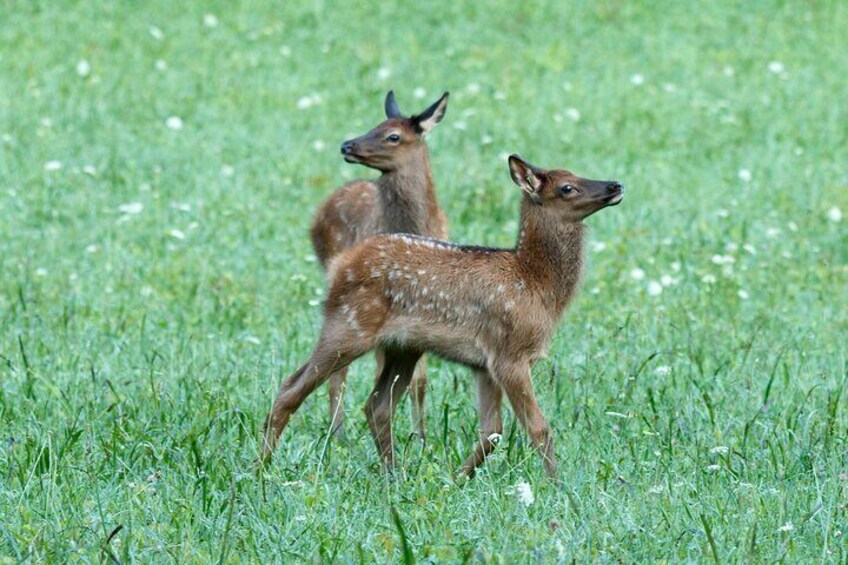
(427, 120)
(525, 175)
(392, 110)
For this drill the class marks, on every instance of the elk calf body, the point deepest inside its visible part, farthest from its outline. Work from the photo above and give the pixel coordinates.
(401, 200)
(493, 310)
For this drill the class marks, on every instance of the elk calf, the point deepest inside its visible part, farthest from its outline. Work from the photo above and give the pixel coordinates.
(401, 200)
(493, 310)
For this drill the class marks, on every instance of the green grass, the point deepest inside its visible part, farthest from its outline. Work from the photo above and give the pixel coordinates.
(136, 366)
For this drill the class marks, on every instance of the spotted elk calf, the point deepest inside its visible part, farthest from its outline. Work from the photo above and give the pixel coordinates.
(493, 310)
(401, 200)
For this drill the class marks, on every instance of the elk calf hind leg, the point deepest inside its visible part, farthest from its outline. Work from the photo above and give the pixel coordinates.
(392, 383)
(418, 393)
(327, 358)
(338, 385)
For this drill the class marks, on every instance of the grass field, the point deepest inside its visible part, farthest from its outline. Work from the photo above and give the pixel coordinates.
(159, 165)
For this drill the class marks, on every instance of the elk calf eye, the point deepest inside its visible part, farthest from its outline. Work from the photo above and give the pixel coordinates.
(394, 138)
(567, 189)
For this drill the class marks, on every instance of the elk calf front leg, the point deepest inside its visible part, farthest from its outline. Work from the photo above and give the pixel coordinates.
(391, 385)
(515, 381)
(489, 411)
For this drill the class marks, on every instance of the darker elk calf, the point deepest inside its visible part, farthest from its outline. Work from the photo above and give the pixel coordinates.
(401, 200)
(493, 310)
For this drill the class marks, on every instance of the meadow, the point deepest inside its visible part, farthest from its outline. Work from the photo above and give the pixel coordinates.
(159, 166)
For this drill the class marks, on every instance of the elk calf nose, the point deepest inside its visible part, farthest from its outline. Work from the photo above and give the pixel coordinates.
(613, 186)
(348, 146)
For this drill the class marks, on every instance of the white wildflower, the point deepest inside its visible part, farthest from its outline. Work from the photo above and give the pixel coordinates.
(419, 93)
(595, 290)
(252, 339)
(83, 68)
(41, 272)
(210, 20)
(160, 65)
(637, 80)
(156, 33)
(227, 171)
(383, 73)
(792, 226)
(318, 145)
(708, 279)
(787, 527)
(669, 87)
(176, 234)
(174, 123)
(654, 288)
(573, 114)
(776, 67)
(723, 259)
(676, 266)
(720, 450)
(145, 291)
(460, 125)
(314, 302)
(473, 88)
(728, 71)
(722, 213)
(772, 232)
(285, 51)
(499, 95)
(713, 468)
(750, 248)
(131, 208)
(310, 258)
(524, 493)
(667, 280)
(662, 371)
(743, 294)
(181, 206)
(745, 175)
(598, 246)
(656, 489)
(52, 165)
(305, 102)
(89, 170)
(486, 139)
(637, 274)
(92, 248)
(834, 214)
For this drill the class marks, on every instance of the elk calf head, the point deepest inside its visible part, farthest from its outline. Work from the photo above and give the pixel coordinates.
(561, 192)
(387, 146)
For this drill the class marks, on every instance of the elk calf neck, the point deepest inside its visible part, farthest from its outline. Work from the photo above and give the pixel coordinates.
(401, 200)
(493, 310)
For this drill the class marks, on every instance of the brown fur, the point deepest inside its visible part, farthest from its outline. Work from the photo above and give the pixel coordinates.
(401, 200)
(493, 310)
